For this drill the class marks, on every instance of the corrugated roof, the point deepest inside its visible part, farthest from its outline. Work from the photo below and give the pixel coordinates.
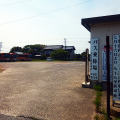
(69, 48)
(19, 52)
(53, 47)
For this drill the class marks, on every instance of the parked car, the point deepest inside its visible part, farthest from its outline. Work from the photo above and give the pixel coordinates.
(49, 59)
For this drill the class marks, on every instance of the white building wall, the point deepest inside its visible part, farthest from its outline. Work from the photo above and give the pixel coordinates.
(100, 31)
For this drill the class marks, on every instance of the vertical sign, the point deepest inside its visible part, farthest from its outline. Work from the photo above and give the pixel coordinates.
(94, 59)
(104, 63)
(116, 67)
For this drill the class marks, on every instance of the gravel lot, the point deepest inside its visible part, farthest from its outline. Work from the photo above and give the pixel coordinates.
(45, 90)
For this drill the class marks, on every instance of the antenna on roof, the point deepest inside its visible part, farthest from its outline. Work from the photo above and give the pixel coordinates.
(65, 42)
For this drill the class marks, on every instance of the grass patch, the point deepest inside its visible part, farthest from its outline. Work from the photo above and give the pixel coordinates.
(98, 88)
(101, 114)
(97, 100)
(96, 117)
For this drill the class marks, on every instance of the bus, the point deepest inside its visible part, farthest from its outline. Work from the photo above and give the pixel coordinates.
(24, 57)
(5, 57)
(13, 57)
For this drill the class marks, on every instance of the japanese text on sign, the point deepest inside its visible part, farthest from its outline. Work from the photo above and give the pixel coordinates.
(104, 63)
(94, 59)
(116, 67)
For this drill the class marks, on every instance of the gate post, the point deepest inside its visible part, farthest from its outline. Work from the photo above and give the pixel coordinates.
(86, 67)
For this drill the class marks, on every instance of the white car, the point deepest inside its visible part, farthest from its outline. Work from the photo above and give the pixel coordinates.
(49, 59)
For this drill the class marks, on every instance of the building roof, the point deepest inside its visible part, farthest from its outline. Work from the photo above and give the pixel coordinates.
(19, 52)
(87, 22)
(53, 47)
(68, 48)
(56, 47)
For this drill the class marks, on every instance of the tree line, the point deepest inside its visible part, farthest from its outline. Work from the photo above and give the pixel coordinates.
(30, 49)
(36, 49)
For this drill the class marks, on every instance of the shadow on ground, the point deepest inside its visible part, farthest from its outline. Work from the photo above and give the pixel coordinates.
(7, 117)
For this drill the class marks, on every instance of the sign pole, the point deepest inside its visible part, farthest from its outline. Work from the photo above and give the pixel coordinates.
(86, 64)
(108, 76)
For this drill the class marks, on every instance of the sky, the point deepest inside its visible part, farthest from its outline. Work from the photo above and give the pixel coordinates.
(48, 22)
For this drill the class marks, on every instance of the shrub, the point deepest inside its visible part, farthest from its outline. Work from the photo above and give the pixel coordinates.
(97, 100)
(96, 117)
(98, 88)
(59, 54)
(43, 57)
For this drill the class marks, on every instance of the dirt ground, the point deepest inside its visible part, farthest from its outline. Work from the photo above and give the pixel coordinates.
(45, 90)
(114, 110)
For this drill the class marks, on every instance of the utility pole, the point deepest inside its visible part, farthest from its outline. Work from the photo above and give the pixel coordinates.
(108, 76)
(65, 42)
(0, 46)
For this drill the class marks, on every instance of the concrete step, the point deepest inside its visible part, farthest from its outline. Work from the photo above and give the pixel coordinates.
(86, 85)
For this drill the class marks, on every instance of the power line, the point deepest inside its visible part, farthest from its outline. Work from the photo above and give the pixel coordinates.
(45, 13)
(14, 3)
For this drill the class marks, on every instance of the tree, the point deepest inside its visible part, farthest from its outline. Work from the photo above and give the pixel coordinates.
(16, 49)
(43, 57)
(33, 49)
(83, 55)
(59, 54)
(77, 56)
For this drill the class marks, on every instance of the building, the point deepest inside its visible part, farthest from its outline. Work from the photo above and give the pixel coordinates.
(50, 48)
(70, 50)
(99, 28)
